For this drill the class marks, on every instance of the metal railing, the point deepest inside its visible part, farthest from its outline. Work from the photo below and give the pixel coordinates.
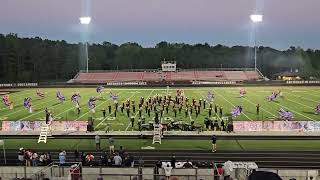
(156, 70)
(13, 176)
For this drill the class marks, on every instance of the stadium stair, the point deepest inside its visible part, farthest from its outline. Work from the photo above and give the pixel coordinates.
(115, 76)
(195, 75)
(168, 76)
(142, 76)
(45, 128)
(157, 134)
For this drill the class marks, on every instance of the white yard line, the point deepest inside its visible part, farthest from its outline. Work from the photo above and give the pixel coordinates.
(188, 109)
(90, 110)
(138, 111)
(232, 104)
(19, 95)
(307, 91)
(37, 113)
(316, 91)
(57, 115)
(260, 107)
(313, 95)
(299, 103)
(35, 106)
(215, 113)
(296, 112)
(114, 110)
(303, 97)
(23, 95)
(32, 107)
(290, 109)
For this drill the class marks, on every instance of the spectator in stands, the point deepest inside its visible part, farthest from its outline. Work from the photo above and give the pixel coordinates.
(214, 143)
(219, 172)
(34, 159)
(89, 159)
(167, 171)
(109, 160)
(111, 144)
(261, 175)
(76, 155)
(228, 170)
(62, 158)
(141, 162)
(121, 152)
(41, 159)
(159, 164)
(173, 162)
(48, 159)
(103, 159)
(129, 161)
(21, 159)
(117, 160)
(100, 177)
(97, 141)
(187, 164)
(28, 157)
(83, 158)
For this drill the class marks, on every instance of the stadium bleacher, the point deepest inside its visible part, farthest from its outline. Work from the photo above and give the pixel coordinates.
(185, 75)
(210, 75)
(235, 75)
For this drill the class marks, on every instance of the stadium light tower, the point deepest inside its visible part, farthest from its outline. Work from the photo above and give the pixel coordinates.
(255, 18)
(85, 20)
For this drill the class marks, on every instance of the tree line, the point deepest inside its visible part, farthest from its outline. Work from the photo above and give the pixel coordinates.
(38, 60)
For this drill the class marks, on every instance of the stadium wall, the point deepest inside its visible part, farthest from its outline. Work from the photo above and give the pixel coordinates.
(162, 84)
(88, 173)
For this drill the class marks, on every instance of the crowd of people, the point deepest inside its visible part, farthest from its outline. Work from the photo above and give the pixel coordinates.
(30, 157)
(119, 158)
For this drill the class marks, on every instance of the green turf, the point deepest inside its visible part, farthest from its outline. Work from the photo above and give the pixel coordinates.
(300, 100)
(227, 145)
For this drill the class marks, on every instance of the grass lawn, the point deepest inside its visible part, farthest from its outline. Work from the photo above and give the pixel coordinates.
(227, 145)
(299, 100)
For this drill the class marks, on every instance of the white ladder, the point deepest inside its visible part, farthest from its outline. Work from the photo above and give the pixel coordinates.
(157, 134)
(45, 128)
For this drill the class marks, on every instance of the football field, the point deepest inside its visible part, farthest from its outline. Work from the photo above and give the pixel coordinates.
(301, 101)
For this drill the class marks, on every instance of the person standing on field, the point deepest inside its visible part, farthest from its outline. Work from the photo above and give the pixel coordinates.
(214, 143)
(97, 141)
(111, 144)
(258, 108)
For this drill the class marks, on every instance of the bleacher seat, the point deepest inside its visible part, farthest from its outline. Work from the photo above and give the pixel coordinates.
(206, 75)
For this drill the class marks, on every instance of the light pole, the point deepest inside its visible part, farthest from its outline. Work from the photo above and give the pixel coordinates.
(85, 20)
(255, 18)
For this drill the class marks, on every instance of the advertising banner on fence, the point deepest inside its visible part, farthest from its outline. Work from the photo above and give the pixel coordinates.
(276, 126)
(36, 125)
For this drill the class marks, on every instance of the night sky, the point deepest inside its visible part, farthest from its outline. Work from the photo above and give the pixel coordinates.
(147, 22)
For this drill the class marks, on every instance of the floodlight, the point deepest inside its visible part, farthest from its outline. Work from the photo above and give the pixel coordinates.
(256, 18)
(85, 20)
